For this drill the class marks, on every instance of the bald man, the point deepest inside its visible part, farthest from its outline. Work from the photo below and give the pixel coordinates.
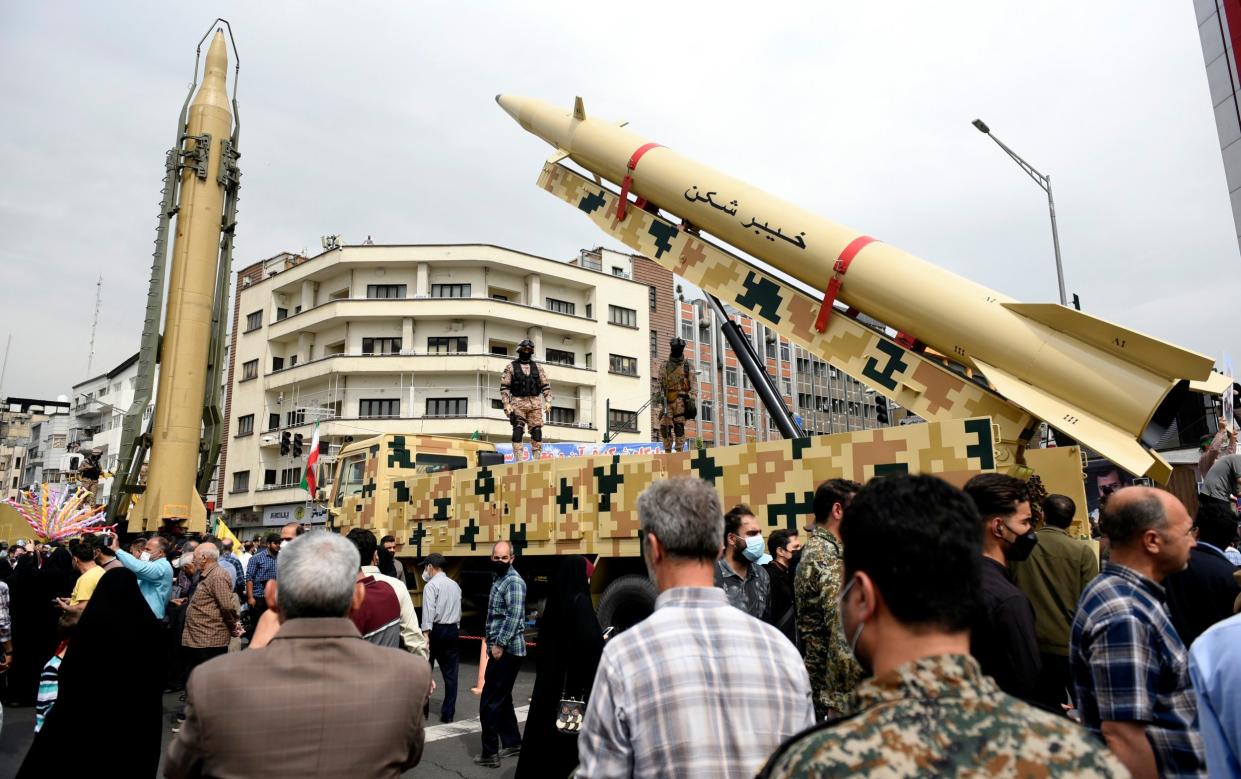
(506, 642)
(1129, 666)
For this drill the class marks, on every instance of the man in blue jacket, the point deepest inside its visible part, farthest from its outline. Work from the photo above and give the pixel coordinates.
(153, 571)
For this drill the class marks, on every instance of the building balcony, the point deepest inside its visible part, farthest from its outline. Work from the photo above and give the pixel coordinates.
(429, 364)
(336, 312)
(493, 426)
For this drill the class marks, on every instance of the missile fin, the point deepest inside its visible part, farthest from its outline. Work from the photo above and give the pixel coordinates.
(559, 155)
(1158, 357)
(579, 109)
(1217, 384)
(1111, 442)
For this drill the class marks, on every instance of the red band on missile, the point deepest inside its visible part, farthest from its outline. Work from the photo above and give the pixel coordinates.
(833, 286)
(627, 182)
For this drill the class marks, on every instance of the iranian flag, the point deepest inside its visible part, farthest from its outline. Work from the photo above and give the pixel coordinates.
(309, 480)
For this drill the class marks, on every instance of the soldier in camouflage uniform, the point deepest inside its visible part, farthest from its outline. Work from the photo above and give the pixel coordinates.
(912, 559)
(833, 671)
(526, 395)
(677, 384)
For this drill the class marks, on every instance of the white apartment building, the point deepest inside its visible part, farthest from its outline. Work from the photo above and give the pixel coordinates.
(28, 428)
(371, 339)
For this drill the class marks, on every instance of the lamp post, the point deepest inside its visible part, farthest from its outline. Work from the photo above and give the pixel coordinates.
(1045, 183)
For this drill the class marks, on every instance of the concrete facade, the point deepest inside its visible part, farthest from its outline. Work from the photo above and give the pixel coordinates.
(21, 420)
(412, 338)
(1218, 30)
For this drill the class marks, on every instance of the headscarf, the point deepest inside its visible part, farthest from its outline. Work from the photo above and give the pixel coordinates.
(118, 641)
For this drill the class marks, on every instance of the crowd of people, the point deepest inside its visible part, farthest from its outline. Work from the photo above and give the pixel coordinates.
(909, 628)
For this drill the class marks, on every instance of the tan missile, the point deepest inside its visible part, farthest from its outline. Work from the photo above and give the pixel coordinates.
(1111, 388)
(176, 434)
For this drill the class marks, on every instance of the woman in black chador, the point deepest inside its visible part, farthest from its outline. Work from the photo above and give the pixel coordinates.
(570, 643)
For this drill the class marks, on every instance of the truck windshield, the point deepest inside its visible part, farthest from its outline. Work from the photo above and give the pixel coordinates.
(434, 463)
(351, 472)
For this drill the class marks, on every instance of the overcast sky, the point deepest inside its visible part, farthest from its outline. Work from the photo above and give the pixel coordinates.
(378, 119)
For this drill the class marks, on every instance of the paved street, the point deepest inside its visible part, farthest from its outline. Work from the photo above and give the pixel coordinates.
(449, 748)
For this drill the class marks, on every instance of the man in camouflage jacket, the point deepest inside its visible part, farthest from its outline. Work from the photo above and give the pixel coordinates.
(833, 671)
(527, 396)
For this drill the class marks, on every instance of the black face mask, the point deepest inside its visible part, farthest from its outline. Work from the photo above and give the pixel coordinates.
(499, 568)
(794, 560)
(524, 356)
(1021, 546)
(677, 352)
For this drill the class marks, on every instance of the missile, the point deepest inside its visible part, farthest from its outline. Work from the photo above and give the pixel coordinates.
(1111, 388)
(176, 433)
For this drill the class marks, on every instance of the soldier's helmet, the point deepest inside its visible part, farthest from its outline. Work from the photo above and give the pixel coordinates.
(677, 343)
(526, 346)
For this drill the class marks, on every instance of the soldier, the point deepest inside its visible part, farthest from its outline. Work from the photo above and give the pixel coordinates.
(526, 395)
(89, 472)
(678, 389)
(912, 556)
(816, 585)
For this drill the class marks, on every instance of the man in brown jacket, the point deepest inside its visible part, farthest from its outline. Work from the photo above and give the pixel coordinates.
(318, 700)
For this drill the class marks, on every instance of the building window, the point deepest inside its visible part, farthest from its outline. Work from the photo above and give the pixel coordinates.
(704, 371)
(749, 417)
(705, 412)
(241, 481)
(590, 311)
(282, 313)
(245, 425)
(292, 360)
(562, 416)
(379, 409)
(590, 360)
(448, 344)
(619, 271)
(277, 364)
(623, 365)
(295, 417)
(561, 306)
(623, 421)
(254, 321)
(447, 407)
(787, 385)
(731, 415)
(561, 357)
(625, 317)
(450, 291)
(381, 346)
(784, 351)
(651, 294)
(385, 291)
(687, 331)
(497, 404)
(273, 421)
(499, 296)
(654, 342)
(499, 349)
(771, 350)
(290, 477)
(730, 376)
(249, 369)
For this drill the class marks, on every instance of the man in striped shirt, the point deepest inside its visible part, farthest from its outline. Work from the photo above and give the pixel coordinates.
(699, 688)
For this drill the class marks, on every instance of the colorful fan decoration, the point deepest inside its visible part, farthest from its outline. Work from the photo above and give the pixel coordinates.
(56, 514)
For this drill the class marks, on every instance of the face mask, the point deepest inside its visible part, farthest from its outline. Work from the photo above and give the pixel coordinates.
(857, 634)
(283, 541)
(146, 557)
(753, 548)
(499, 568)
(426, 575)
(523, 356)
(794, 560)
(176, 563)
(1022, 546)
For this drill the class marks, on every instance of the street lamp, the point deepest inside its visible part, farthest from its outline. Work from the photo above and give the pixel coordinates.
(1045, 183)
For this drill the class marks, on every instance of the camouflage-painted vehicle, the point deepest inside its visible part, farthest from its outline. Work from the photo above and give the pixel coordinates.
(456, 497)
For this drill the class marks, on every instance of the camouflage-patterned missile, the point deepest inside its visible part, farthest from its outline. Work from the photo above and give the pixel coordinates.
(1111, 388)
(171, 493)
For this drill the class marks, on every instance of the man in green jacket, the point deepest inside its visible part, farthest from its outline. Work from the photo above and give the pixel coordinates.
(1053, 578)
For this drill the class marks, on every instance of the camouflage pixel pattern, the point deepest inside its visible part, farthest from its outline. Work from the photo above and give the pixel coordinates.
(587, 504)
(829, 660)
(940, 716)
(916, 382)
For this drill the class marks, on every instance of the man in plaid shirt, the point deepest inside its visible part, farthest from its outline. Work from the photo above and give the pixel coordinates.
(506, 642)
(1129, 666)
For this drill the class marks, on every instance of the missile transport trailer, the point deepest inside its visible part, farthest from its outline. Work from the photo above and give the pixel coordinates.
(457, 497)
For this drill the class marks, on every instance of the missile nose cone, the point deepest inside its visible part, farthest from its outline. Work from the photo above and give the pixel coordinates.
(217, 58)
(511, 105)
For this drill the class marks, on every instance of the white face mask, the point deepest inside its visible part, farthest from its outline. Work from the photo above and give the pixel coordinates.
(145, 557)
(283, 542)
(426, 574)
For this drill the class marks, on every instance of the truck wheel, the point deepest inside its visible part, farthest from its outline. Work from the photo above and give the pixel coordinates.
(626, 602)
